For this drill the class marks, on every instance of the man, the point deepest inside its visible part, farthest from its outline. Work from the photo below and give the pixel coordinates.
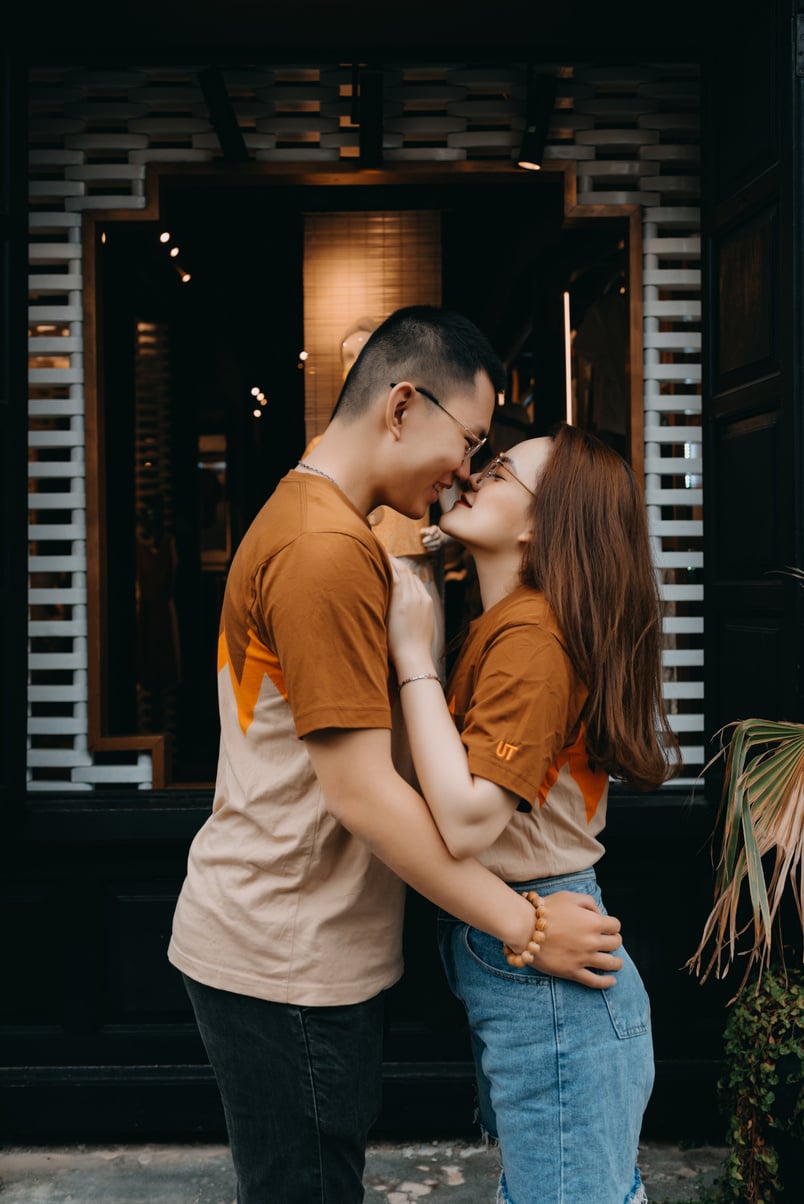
(288, 927)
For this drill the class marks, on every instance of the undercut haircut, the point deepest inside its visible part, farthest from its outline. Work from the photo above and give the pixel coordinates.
(436, 348)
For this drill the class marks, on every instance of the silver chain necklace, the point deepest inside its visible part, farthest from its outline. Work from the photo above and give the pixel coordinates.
(319, 471)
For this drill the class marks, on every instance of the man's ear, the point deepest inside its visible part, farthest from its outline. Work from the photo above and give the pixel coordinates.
(397, 407)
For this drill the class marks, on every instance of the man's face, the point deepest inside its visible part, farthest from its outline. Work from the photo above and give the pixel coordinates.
(439, 434)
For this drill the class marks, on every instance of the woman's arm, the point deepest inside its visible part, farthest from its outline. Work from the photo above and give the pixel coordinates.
(470, 811)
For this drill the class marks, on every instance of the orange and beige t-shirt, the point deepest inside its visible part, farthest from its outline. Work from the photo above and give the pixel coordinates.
(521, 730)
(280, 901)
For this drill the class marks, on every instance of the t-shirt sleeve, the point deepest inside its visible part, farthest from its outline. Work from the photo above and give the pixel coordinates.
(324, 602)
(519, 717)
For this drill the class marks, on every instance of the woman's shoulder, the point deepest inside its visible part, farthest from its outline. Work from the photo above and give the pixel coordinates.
(528, 607)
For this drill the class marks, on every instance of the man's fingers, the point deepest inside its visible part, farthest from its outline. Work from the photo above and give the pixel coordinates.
(609, 943)
(605, 961)
(597, 981)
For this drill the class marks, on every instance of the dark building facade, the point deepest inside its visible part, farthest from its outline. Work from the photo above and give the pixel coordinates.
(153, 391)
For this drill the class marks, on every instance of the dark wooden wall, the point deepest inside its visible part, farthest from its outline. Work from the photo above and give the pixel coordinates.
(752, 226)
(96, 1038)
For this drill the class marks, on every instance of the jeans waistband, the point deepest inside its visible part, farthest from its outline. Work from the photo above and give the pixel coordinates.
(559, 882)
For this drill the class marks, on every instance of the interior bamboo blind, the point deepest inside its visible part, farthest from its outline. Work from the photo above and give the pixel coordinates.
(360, 266)
(633, 134)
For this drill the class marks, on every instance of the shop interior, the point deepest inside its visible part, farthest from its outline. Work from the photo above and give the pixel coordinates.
(216, 368)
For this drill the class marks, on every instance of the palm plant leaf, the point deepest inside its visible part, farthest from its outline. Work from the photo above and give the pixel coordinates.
(761, 812)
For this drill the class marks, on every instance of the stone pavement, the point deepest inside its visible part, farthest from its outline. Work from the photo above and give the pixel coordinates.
(451, 1172)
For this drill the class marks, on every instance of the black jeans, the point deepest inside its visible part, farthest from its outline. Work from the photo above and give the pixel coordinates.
(300, 1088)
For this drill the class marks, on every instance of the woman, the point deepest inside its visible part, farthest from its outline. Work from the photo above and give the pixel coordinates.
(556, 689)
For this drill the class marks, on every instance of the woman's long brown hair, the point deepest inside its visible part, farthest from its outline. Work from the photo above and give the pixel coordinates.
(590, 555)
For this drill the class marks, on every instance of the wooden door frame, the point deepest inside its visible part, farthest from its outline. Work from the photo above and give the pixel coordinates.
(158, 178)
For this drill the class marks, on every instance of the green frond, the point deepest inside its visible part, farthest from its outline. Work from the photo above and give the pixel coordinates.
(761, 812)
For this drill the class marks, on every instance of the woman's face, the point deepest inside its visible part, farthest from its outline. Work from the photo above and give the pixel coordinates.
(495, 512)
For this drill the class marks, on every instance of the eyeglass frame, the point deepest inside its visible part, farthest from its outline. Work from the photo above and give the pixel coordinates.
(477, 443)
(501, 461)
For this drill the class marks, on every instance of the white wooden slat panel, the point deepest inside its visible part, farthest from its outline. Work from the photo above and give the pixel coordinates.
(54, 693)
(115, 774)
(55, 313)
(682, 656)
(67, 533)
(54, 282)
(677, 466)
(57, 662)
(54, 252)
(58, 596)
(52, 407)
(672, 434)
(38, 757)
(675, 340)
(55, 438)
(56, 564)
(55, 628)
(683, 689)
(686, 723)
(676, 527)
(56, 725)
(673, 625)
(679, 560)
(682, 593)
(673, 403)
(673, 497)
(61, 469)
(634, 133)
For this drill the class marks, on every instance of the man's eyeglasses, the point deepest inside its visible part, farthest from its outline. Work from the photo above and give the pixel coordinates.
(493, 467)
(473, 444)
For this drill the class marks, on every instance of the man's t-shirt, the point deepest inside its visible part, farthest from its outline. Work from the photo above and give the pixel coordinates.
(280, 901)
(523, 733)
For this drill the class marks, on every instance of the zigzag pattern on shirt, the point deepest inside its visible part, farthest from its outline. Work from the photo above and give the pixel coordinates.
(258, 663)
(591, 782)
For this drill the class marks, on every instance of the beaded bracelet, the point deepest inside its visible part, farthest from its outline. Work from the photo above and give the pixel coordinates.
(525, 958)
(419, 677)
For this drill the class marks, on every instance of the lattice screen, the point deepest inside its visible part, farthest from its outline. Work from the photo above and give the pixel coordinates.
(633, 135)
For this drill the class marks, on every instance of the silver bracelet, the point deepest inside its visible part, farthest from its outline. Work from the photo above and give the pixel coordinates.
(420, 677)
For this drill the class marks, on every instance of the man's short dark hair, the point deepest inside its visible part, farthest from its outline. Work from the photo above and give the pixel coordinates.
(429, 346)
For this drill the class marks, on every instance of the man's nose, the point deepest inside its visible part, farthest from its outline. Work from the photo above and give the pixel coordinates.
(464, 472)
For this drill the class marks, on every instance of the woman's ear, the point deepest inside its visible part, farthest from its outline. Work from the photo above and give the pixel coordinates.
(525, 536)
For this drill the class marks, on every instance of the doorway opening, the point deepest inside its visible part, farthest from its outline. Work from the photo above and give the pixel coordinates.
(202, 376)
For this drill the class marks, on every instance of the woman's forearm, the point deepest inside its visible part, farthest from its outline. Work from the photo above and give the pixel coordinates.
(470, 812)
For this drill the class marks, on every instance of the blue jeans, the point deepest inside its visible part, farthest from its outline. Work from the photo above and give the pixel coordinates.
(564, 1072)
(300, 1088)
